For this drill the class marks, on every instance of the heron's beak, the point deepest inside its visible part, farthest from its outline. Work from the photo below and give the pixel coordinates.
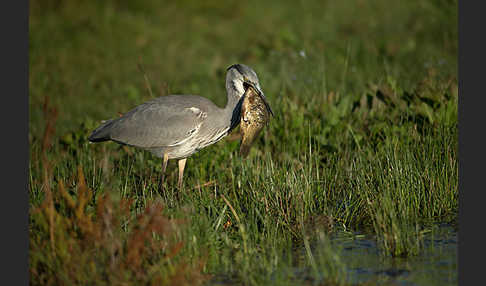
(260, 93)
(248, 83)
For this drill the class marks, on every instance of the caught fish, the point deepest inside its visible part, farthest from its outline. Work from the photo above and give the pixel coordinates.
(255, 114)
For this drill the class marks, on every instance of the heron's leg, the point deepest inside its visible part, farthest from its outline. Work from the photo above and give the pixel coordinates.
(164, 167)
(182, 164)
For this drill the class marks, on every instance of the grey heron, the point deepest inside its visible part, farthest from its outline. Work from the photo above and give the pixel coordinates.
(177, 126)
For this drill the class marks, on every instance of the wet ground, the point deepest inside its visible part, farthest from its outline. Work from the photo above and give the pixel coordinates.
(435, 265)
(365, 265)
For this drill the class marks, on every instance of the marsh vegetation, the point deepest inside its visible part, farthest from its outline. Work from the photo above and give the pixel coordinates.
(363, 142)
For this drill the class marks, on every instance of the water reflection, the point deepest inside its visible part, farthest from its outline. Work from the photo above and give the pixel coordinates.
(436, 264)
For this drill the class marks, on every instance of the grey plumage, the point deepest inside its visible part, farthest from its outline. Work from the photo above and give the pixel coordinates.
(177, 126)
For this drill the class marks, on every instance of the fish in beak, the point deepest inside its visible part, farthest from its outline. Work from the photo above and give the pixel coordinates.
(255, 114)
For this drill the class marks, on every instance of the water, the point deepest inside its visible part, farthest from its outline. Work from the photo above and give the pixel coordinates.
(435, 265)
(365, 264)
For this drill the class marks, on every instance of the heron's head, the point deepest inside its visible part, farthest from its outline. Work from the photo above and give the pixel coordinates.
(239, 77)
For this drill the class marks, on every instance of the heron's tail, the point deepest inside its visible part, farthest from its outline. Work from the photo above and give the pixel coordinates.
(102, 133)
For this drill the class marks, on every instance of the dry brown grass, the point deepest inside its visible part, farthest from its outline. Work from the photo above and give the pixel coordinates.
(78, 241)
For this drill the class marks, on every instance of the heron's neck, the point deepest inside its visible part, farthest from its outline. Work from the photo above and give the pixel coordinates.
(232, 109)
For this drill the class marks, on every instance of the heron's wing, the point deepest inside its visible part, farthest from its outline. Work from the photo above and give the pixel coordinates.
(157, 124)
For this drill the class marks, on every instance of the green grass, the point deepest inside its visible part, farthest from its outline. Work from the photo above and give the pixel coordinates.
(364, 137)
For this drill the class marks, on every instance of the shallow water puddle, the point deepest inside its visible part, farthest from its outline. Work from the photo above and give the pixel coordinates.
(435, 265)
(364, 264)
